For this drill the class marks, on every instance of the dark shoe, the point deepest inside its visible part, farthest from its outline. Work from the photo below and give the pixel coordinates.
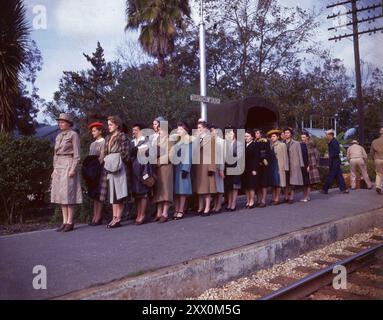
(251, 207)
(198, 213)
(378, 191)
(205, 214)
(257, 204)
(163, 219)
(217, 211)
(95, 224)
(61, 228)
(68, 227)
(323, 191)
(234, 209)
(157, 218)
(262, 205)
(345, 191)
(290, 202)
(275, 203)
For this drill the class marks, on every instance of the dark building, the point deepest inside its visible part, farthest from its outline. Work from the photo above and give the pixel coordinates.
(250, 112)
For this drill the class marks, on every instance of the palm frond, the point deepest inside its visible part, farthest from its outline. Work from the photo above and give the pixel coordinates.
(14, 39)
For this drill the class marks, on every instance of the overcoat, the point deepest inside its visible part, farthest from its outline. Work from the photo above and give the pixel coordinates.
(295, 162)
(305, 156)
(66, 190)
(139, 170)
(183, 150)
(118, 144)
(249, 181)
(280, 151)
(265, 167)
(92, 168)
(313, 163)
(162, 170)
(203, 183)
(236, 149)
(220, 161)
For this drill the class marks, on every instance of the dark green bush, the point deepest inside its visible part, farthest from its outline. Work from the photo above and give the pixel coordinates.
(26, 167)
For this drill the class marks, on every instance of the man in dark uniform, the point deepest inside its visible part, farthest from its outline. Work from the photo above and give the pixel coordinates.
(335, 170)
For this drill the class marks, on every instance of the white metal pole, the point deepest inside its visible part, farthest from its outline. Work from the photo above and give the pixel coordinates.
(202, 44)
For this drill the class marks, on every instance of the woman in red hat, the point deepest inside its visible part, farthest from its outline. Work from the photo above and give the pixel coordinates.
(92, 168)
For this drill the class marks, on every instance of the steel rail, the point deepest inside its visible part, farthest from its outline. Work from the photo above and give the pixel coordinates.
(313, 282)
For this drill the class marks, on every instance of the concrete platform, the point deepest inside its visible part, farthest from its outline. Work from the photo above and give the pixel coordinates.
(188, 255)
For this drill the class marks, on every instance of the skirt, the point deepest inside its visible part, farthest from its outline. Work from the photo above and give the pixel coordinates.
(65, 190)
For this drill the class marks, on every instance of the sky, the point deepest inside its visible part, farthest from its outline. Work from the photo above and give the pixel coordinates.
(72, 27)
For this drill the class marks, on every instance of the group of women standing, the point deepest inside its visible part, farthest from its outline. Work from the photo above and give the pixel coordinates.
(281, 163)
(184, 166)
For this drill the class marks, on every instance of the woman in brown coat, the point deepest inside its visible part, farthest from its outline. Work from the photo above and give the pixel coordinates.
(162, 170)
(312, 165)
(66, 187)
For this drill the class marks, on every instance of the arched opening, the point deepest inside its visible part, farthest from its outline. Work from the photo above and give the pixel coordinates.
(261, 118)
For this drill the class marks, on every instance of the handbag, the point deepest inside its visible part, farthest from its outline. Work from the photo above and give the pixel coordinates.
(113, 162)
(149, 182)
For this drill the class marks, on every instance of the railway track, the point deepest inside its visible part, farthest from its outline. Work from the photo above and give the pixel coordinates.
(364, 269)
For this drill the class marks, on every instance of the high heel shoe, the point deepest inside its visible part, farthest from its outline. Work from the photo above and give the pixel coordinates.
(114, 225)
(61, 228)
(178, 216)
(163, 219)
(140, 222)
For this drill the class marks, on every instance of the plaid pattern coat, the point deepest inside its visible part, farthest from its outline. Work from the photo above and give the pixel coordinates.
(119, 144)
(313, 163)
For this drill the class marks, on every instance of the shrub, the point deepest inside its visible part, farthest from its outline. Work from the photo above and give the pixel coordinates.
(26, 166)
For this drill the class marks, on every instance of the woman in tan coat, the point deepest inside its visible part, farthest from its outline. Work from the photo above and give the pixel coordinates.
(204, 173)
(66, 186)
(163, 171)
(280, 151)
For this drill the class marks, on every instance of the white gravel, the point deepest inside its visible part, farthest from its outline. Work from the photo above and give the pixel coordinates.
(237, 290)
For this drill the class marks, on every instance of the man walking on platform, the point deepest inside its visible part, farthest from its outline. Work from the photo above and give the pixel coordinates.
(377, 154)
(357, 157)
(335, 170)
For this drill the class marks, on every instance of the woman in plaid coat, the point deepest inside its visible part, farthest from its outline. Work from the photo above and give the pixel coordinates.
(312, 165)
(115, 182)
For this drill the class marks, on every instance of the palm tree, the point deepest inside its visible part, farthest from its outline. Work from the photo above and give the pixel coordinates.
(14, 37)
(158, 21)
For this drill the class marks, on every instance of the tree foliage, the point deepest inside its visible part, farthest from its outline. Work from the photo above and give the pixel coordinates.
(26, 166)
(158, 21)
(14, 33)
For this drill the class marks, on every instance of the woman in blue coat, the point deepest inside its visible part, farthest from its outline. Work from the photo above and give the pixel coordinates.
(181, 156)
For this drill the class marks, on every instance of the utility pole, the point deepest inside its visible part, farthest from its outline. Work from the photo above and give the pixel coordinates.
(355, 34)
(202, 46)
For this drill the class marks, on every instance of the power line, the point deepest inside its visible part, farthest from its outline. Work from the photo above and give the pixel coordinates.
(355, 34)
